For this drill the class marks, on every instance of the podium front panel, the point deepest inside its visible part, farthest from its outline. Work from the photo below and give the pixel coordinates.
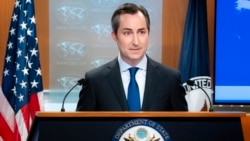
(103, 128)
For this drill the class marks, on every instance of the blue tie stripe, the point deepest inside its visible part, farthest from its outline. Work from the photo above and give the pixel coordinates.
(133, 92)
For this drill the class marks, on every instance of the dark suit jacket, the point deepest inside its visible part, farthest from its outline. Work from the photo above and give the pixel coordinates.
(104, 89)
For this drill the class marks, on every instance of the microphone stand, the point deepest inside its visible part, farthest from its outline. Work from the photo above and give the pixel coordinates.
(79, 82)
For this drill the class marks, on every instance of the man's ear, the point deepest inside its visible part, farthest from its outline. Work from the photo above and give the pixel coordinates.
(114, 36)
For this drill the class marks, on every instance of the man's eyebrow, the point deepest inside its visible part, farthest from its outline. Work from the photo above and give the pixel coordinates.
(126, 29)
(137, 30)
(142, 28)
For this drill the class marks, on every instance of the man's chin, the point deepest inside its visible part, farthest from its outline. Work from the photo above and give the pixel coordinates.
(136, 57)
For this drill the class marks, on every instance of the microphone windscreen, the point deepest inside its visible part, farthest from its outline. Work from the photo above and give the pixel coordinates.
(190, 82)
(81, 81)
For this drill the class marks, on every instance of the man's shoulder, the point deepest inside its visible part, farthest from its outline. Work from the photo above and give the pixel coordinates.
(103, 68)
(162, 67)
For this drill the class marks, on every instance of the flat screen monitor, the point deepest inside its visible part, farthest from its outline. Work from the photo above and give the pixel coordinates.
(232, 52)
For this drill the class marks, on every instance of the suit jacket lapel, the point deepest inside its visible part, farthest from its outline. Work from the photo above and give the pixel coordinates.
(114, 78)
(151, 79)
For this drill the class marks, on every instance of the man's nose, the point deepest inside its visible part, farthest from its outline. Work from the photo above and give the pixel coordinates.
(135, 39)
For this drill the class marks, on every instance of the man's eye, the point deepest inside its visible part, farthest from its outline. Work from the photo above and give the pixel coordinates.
(126, 33)
(142, 32)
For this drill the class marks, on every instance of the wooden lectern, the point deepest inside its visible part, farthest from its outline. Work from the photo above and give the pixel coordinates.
(101, 126)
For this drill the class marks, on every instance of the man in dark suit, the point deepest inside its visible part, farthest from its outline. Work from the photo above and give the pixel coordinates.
(106, 88)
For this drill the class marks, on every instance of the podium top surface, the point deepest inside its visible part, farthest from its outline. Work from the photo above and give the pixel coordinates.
(140, 114)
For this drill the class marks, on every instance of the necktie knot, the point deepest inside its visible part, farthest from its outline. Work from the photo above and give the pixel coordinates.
(133, 71)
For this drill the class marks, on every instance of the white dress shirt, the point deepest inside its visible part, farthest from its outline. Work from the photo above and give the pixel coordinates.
(140, 75)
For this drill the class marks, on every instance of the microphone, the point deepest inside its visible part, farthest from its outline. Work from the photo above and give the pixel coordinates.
(191, 83)
(79, 82)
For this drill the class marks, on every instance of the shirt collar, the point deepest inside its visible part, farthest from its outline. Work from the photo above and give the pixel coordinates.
(124, 66)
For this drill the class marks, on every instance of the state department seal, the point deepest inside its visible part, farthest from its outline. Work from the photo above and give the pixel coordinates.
(141, 130)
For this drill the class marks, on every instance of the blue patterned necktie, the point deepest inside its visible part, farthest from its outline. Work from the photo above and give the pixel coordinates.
(133, 92)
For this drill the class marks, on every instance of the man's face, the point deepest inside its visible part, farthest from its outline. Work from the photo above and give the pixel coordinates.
(132, 37)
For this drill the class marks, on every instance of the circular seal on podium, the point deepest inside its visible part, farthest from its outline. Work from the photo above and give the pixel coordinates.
(141, 129)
